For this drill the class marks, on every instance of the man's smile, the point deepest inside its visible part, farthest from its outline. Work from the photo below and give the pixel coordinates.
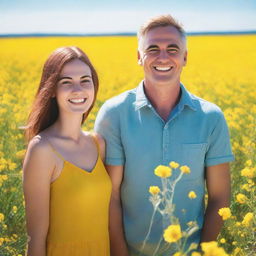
(163, 68)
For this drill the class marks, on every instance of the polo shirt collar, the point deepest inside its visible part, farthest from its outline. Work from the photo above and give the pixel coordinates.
(141, 98)
(185, 100)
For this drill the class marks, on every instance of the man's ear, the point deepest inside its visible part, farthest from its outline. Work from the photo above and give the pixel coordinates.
(185, 58)
(139, 58)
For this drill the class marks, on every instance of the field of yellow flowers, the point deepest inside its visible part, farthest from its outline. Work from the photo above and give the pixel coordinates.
(221, 69)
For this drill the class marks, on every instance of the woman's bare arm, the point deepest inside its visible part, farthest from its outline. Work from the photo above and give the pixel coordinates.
(37, 171)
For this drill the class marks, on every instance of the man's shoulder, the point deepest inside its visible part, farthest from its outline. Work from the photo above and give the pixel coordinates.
(205, 106)
(120, 100)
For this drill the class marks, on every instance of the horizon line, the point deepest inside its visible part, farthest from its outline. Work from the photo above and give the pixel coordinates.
(38, 34)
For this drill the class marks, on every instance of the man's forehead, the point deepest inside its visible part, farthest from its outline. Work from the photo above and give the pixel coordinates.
(157, 37)
(162, 39)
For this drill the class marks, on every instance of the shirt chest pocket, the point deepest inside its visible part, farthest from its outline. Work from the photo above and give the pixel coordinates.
(193, 155)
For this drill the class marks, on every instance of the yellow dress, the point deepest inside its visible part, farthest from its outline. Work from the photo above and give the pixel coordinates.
(79, 204)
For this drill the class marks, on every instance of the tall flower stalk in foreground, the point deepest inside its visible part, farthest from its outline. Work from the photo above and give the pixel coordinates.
(162, 201)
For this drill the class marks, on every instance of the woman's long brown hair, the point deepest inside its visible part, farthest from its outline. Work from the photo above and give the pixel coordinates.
(45, 109)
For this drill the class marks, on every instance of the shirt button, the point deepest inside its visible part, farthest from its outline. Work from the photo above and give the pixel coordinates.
(166, 127)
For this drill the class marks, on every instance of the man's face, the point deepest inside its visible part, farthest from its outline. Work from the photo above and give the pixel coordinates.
(162, 53)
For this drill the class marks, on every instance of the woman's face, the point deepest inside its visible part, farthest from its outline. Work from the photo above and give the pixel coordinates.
(75, 88)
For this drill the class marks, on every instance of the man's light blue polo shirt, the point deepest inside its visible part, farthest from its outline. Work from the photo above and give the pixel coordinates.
(195, 134)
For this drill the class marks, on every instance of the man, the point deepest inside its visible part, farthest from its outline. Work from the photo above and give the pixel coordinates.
(159, 122)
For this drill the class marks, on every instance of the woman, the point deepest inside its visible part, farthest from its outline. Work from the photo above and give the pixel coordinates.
(66, 187)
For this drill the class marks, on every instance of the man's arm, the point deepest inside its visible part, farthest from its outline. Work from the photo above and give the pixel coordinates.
(117, 241)
(218, 186)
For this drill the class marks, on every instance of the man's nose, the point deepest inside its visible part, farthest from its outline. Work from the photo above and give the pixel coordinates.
(163, 55)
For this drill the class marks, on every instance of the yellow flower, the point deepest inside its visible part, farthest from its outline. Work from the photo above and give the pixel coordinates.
(237, 251)
(192, 195)
(238, 224)
(191, 223)
(248, 172)
(222, 240)
(185, 169)
(172, 234)
(250, 182)
(234, 242)
(178, 254)
(196, 254)
(163, 171)
(212, 249)
(247, 219)
(174, 165)
(1, 241)
(248, 162)
(14, 209)
(241, 198)
(12, 166)
(154, 190)
(246, 187)
(14, 236)
(1, 217)
(193, 246)
(21, 153)
(225, 213)
(4, 177)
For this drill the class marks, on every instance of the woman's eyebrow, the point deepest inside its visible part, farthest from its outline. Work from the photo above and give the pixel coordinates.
(70, 78)
(65, 77)
(85, 76)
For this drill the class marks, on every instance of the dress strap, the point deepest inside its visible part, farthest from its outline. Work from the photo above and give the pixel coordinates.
(96, 141)
(54, 150)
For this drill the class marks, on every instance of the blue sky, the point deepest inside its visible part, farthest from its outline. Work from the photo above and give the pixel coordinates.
(113, 16)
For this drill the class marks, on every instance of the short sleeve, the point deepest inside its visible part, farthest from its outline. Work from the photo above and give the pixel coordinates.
(107, 124)
(219, 149)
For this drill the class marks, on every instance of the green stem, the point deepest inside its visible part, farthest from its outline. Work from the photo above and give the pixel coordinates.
(149, 230)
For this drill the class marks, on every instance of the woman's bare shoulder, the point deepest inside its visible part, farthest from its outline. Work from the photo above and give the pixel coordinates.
(39, 143)
(102, 145)
(100, 140)
(39, 150)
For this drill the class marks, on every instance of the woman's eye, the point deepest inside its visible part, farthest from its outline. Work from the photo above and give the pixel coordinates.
(87, 83)
(66, 82)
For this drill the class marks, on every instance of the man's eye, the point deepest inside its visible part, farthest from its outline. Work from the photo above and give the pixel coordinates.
(85, 81)
(153, 50)
(173, 50)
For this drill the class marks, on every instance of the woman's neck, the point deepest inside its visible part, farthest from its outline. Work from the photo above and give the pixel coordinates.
(68, 126)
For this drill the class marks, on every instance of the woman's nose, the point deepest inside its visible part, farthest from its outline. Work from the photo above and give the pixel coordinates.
(77, 87)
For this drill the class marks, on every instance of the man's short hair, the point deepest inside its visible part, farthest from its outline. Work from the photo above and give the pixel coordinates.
(161, 21)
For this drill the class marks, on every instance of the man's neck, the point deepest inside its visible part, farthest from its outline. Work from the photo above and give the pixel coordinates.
(163, 98)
